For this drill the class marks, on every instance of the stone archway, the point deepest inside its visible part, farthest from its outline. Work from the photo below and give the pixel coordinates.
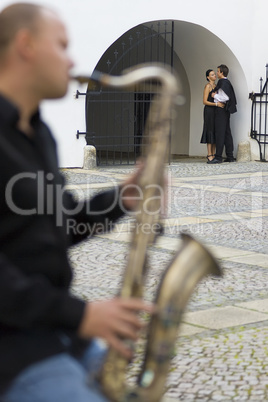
(191, 49)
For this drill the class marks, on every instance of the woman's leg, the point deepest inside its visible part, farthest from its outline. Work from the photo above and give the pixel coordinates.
(213, 149)
(210, 152)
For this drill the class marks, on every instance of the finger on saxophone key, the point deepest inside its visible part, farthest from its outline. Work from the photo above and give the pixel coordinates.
(115, 316)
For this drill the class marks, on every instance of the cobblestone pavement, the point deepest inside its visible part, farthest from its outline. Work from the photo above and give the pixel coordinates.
(222, 347)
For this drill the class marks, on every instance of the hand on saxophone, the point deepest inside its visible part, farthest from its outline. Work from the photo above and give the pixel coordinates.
(114, 321)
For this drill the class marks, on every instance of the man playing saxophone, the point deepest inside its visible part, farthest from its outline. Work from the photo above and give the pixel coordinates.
(46, 333)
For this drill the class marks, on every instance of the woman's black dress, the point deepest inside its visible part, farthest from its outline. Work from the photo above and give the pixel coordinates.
(208, 135)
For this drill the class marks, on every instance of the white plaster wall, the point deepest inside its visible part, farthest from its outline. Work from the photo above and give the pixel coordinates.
(93, 26)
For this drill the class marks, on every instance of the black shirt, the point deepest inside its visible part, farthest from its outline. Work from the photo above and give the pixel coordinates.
(38, 221)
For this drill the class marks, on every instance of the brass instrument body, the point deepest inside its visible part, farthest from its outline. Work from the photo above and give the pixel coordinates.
(190, 264)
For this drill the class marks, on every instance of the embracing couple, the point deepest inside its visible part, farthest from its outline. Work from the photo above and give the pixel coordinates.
(220, 103)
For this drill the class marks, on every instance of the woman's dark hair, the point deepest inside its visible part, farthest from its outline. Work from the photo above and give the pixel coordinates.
(207, 73)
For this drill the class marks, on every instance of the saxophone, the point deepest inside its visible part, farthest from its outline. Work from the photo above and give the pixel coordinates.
(189, 265)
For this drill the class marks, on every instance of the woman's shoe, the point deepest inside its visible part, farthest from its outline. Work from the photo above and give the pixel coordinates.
(208, 156)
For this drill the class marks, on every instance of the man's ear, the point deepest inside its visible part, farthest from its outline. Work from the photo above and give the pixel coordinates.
(24, 44)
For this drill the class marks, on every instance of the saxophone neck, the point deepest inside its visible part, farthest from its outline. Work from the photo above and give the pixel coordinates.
(131, 78)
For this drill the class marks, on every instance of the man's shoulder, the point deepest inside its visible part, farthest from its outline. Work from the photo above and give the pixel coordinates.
(225, 83)
(220, 82)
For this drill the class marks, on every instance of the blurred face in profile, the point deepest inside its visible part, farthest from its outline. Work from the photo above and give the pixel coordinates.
(51, 62)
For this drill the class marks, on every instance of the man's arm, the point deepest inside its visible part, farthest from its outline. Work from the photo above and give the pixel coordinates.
(98, 214)
(220, 96)
(32, 301)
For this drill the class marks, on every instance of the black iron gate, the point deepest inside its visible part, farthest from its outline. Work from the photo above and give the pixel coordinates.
(259, 117)
(115, 119)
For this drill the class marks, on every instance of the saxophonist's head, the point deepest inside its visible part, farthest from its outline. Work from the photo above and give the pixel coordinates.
(34, 60)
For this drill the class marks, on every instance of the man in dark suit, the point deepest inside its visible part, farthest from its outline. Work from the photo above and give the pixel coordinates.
(224, 93)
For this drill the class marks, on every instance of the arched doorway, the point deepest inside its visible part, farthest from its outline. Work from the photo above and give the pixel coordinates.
(115, 119)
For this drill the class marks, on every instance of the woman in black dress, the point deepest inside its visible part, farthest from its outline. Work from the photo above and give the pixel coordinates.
(208, 135)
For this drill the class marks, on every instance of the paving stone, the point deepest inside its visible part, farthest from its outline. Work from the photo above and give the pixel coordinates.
(224, 317)
(223, 356)
(259, 305)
